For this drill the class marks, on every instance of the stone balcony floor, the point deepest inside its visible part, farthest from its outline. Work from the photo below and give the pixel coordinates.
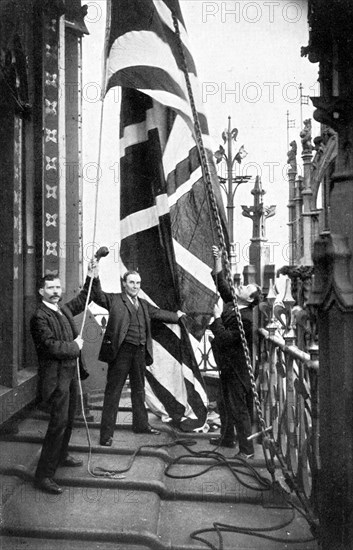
(144, 509)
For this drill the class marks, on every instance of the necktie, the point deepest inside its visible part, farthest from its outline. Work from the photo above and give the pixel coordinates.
(136, 304)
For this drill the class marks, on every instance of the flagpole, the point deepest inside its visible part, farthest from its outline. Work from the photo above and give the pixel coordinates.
(290, 124)
(301, 104)
(108, 23)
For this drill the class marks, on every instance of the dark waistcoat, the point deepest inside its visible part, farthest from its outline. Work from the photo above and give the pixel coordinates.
(136, 333)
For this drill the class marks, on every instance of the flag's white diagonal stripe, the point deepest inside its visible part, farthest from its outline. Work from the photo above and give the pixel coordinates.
(193, 265)
(166, 16)
(134, 134)
(180, 143)
(170, 100)
(144, 219)
(172, 382)
(185, 187)
(138, 133)
(188, 375)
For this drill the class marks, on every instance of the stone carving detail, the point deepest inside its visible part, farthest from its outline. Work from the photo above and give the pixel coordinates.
(51, 219)
(51, 163)
(51, 79)
(51, 191)
(292, 156)
(319, 147)
(51, 248)
(332, 273)
(301, 278)
(51, 25)
(305, 136)
(51, 135)
(50, 107)
(51, 51)
(52, 9)
(258, 214)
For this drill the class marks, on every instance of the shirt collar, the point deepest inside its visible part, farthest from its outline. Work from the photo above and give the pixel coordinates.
(132, 300)
(54, 307)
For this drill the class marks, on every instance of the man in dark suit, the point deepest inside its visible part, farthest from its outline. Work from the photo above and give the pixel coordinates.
(58, 347)
(235, 403)
(127, 348)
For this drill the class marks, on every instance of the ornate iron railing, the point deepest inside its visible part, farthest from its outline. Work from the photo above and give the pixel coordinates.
(204, 354)
(288, 387)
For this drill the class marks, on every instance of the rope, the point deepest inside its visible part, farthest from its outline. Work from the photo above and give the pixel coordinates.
(92, 473)
(208, 181)
(105, 472)
(220, 528)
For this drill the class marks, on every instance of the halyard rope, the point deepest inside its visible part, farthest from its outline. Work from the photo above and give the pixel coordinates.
(207, 178)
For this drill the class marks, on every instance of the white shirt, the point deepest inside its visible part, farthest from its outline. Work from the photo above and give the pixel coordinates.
(54, 307)
(134, 301)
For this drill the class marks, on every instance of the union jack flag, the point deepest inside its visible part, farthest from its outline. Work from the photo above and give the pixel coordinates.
(167, 224)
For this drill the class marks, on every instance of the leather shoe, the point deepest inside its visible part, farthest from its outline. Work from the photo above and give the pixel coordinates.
(148, 430)
(106, 442)
(71, 461)
(220, 442)
(244, 456)
(48, 485)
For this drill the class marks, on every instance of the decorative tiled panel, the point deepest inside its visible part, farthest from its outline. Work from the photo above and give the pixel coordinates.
(17, 200)
(51, 168)
(17, 334)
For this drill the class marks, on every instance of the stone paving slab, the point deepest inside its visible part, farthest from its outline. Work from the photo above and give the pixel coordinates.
(124, 516)
(203, 515)
(13, 452)
(8, 485)
(82, 513)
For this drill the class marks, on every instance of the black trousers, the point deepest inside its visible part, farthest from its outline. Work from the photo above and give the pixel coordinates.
(62, 412)
(131, 362)
(235, 407)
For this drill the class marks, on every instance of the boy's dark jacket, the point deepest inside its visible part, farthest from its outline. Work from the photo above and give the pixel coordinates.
(227, 345)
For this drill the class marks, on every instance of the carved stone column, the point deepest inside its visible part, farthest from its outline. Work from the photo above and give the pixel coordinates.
(292, 173)
(259, 252)
(332, 293)
(306, 193)
(297, 225)
(331, 29)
